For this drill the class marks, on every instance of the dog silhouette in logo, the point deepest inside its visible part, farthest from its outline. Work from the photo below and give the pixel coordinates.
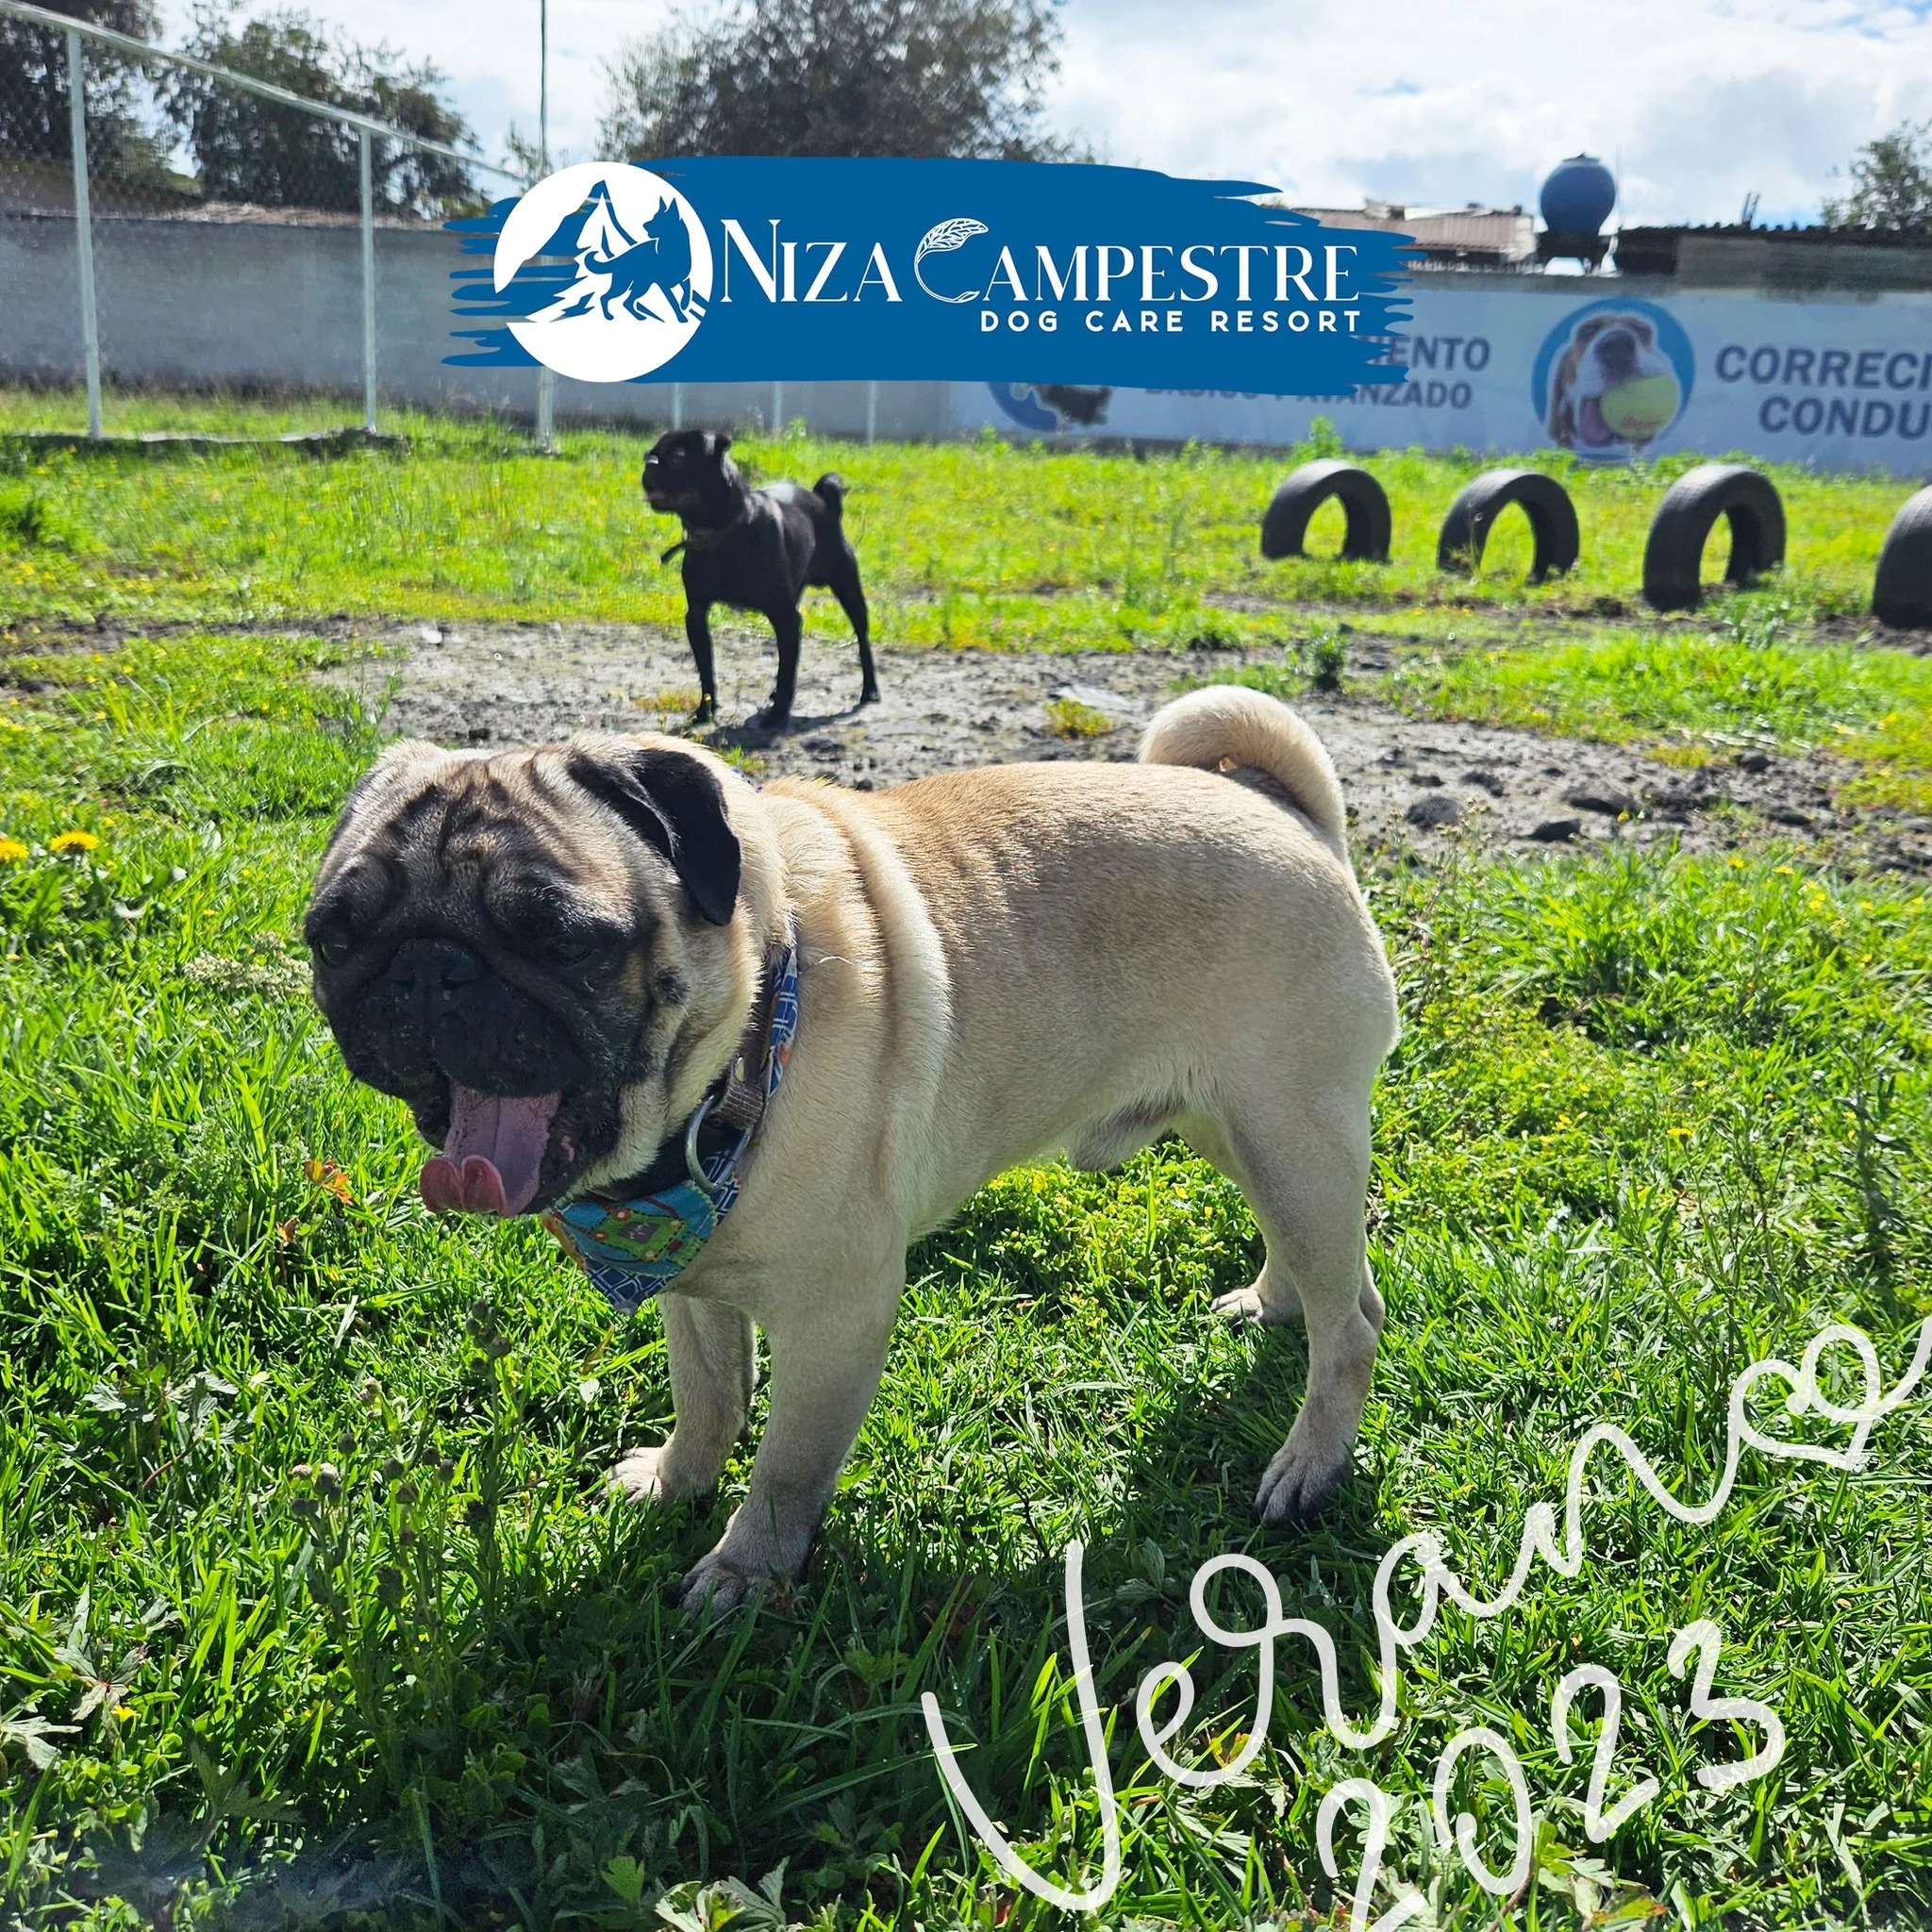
(1050, 406)
(1612, 390)
(635, 265)
(1073, 403)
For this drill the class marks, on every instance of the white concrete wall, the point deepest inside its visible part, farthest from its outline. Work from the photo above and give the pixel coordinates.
(277, 305)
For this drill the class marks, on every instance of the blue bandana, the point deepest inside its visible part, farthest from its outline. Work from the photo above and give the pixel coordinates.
(631, 1249)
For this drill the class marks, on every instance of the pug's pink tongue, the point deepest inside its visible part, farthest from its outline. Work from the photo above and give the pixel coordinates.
(492, 1155)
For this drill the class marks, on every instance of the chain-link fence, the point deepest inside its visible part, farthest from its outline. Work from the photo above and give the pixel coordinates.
(173, 233)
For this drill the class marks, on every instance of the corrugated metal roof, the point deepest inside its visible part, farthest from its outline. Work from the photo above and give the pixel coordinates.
(1499, 234)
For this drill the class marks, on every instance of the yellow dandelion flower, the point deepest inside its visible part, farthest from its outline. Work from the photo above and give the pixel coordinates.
(11, 849)
(72, 841)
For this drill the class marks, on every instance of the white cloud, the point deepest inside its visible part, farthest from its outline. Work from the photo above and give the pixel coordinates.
(1701, 101)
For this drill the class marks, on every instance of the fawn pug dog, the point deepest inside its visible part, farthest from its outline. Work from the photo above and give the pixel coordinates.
(571, 962)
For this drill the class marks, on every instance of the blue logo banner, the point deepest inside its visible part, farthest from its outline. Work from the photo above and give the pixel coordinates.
(734, 270)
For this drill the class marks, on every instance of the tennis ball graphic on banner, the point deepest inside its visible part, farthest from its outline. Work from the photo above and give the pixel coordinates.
(1640, 411)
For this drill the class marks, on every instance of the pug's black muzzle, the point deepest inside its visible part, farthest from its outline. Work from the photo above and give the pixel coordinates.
(438, 1012)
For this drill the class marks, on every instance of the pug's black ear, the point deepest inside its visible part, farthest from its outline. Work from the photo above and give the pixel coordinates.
(720, 442)
(674, 803)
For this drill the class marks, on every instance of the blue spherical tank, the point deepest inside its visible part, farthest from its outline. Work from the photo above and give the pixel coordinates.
(1578, 195)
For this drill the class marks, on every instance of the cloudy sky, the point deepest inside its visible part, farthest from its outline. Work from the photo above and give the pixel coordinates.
(1701, 102)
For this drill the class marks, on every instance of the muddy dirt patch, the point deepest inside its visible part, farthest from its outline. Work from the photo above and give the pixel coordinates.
(1412, 783)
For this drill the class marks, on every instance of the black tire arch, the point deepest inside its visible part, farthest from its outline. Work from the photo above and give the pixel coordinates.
(1902, 592)
(1673, 555)
(1484, 498)
(1364, 502)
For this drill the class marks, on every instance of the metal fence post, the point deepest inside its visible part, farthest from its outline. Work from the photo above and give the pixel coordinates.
(778, 408)
(546, 377)
(368, 284)
(871, 411)
(546, 409)
(678, 406)
(84, 231)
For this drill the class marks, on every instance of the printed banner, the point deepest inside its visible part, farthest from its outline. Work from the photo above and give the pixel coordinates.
(735, 269)
(1561, 364)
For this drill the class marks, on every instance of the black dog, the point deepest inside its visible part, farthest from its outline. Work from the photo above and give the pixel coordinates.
(755, 550)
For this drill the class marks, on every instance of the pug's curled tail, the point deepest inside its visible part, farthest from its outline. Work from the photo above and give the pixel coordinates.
(830, 491)
(1227, 727)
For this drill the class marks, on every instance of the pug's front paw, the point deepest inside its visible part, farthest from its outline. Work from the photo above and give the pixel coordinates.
(1244, 1308)
(1239, 1309)
(1300, 1480)
(716, 1586)
(1261, 1303)
(650, 1478)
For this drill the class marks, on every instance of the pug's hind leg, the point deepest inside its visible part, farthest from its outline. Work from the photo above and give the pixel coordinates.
(825, 1366)
(1271, 1299)
(714, 1369)
(1306, 1185)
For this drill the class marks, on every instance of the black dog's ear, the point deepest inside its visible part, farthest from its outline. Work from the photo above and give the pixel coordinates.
(719, 443)
(676, 804)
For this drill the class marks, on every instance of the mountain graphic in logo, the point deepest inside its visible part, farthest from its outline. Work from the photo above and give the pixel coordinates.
(643, 278)
(617, 268)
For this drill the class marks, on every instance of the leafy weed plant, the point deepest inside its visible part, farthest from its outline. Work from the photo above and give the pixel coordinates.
(1070, 719)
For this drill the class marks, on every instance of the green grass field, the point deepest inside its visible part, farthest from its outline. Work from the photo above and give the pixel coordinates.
(312, 1607)
(964, 544)
(1690, 695)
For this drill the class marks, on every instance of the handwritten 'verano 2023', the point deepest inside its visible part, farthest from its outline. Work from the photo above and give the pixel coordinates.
(1701, 1638)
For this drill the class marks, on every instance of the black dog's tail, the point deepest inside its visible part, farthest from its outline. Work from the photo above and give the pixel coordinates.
(830, 491)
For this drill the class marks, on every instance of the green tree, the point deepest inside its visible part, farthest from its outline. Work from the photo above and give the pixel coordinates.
(248, 149)
(34, 124)
(915, 78)
(1891, 183)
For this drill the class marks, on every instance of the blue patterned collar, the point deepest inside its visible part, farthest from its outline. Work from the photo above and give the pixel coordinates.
(634, 1247)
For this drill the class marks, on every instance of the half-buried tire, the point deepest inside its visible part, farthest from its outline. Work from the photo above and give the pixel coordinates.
(1483, 499)
(1902, 593)
(1674, 556)
(1363, 502)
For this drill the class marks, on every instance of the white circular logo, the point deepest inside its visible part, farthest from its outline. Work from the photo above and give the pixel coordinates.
(644, 270)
